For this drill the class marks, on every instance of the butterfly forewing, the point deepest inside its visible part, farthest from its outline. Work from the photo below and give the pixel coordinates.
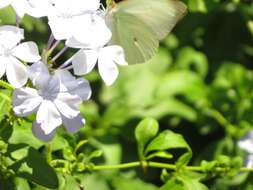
(138, 25)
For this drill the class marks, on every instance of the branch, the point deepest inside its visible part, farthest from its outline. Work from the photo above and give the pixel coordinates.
(159, 165)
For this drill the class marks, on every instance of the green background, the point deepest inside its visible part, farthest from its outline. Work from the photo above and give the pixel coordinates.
(200, 84)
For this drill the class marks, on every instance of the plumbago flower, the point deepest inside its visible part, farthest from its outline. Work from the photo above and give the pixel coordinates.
(18, 5)
(74, 18)
(56, 97)
(246, 143)
(107, 57)
(22, 7)
(55, 100)
(11, 52)
(96, 51)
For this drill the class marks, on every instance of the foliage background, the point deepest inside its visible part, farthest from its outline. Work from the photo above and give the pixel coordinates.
(200, 85)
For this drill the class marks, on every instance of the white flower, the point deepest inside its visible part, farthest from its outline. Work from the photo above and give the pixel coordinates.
(11, 52)
(55, 101)
(18, 5)
(249, 161)
(22, 7)
(108, 58)
(246, 143)
(67, 18)
(37, 8)
(92, 32)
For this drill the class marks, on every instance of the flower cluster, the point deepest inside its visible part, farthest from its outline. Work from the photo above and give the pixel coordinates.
(55, 94)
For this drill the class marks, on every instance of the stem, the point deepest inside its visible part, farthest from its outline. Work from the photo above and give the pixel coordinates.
(17, 21)
(59, 54)
(50, 41)
(47, 52)
(50, 51)
(66, 63)
(6, 85)
(49, 152)
(228, 127)
(157, 165)
(118, 166)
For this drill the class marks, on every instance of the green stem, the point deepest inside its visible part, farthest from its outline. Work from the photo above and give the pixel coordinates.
(49, 152)
(117, 166)
(228, 127)
(157, 165)
(6, 85)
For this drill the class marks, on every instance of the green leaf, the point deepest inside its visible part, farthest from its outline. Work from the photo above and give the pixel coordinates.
(185, 180)
(124, 183)
(191, 180)
(144, 132)
(95, 154)
(160, 154)
(5, 103)
(35, 168)
(168, 106)
(173, 184)
(169, 140)
(21, 184)
(22, 134)
(70, 183)
(190, 59)
(94, 181)
(183, 82)
(197, 6)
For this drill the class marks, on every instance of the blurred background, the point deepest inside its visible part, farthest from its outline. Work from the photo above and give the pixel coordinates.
(199, 84)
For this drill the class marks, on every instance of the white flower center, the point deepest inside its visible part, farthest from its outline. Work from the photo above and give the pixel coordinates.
(47, 95)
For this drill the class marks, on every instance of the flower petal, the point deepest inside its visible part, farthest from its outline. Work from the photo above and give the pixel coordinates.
(246, 143)
(116, 53)
(62, 28)
(3, 62)
(73, 125)
(83, 90)
(74, 43)
(48, 117)
(80, 87)
(10, 36)
(27, 52)
(249, 161)
(107, 68)
(40, 134)
(25, 101)
(62, 6)
(16, 72)
(80, 6)
(67, 81)
(68, 104)
(4, 3)
(39, 74)
(84, 61)
(93, 32)
(20, 7)
(37, 8)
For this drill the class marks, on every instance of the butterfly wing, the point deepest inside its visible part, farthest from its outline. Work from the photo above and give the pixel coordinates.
(138, 25)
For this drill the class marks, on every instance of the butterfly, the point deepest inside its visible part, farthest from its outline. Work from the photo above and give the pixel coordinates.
(139, 25)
